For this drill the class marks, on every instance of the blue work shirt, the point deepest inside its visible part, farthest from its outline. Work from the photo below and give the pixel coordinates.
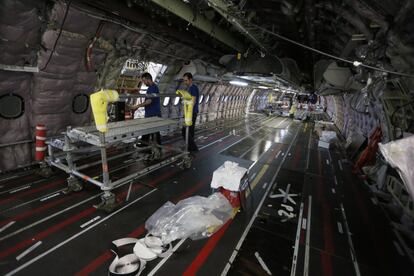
(153, 109)
(193, 90)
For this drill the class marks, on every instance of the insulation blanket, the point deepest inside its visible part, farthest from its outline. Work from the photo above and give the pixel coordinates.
(228, 176)
(400, 155)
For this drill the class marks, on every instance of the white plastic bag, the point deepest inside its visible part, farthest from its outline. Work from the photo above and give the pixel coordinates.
(400, 155)
(328, 136)
(194, 217)
(228, 176)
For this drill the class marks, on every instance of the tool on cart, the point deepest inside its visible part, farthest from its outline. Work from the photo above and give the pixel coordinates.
(99, 104)
(89, 139)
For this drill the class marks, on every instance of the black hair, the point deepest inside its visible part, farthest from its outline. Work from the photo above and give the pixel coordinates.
(146, 75)
(188, 75)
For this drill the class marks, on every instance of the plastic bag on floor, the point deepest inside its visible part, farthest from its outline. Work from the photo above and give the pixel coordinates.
(228, 176)
(328, 136)
(195, 217)
(400, 155)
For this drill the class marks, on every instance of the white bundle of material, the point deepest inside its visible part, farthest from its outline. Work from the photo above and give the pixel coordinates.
(228, 176)
(328, 136)
(400, 155)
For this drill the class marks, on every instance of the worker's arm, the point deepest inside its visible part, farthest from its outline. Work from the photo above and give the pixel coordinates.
(135, 107)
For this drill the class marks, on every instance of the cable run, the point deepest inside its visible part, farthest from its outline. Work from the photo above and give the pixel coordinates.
(354, 63)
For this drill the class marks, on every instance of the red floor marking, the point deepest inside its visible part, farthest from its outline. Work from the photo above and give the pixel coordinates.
(327, 229)
(54, 229)
(190, 191)
(74, 218)
(31, 191)
(92, 266)
(66, 198)
(296, 159)
(206, 250)
(107, 255)
(46, 233)
(359, 200)
(319, 163)
(326, 264)
(302, 237)
(162, 177)
(319, 188)
(37, 210)
(18, 180)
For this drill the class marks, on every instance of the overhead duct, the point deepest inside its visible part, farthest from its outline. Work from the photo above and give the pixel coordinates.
(225, 8)
(334, 79)
(256, 65)
(200, 70)
(318, 70)
(292, 70)
(337, 76)
(199, 21)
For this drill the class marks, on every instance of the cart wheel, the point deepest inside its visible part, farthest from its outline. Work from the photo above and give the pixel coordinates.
(156, 153)
(44, 170)
(108, 202)
(187, 162)
(74, 185)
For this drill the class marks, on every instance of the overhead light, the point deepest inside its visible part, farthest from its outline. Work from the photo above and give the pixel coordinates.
(276, 89)
(263, 87)
(238, 83)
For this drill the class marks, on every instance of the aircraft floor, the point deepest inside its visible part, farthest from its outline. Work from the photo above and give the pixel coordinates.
(328, 225)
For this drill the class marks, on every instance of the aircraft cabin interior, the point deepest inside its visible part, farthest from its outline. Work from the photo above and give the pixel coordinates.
(207, 137)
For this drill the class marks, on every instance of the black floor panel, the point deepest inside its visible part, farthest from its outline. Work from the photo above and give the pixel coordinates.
(325, 177)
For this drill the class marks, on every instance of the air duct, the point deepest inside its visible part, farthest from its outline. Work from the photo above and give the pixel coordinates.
(200, 70)
(184, 11)
(255, 65)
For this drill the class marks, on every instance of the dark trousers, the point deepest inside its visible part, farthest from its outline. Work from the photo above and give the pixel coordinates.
(156, 137)
(191, 144)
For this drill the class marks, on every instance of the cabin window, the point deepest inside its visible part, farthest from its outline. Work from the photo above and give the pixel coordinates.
(11, 106)
(201, 99)
(207, 98)
(219, 98)
(225, 98)
(166, 101)
(176, 100)
(156, 70)
(80, 103)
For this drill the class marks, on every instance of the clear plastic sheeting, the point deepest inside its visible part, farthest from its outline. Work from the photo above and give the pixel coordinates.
(195, 217)
(400, 155)
(228, 176)
(328, 136)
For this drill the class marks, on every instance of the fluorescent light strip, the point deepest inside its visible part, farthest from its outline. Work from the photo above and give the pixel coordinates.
(238, 83)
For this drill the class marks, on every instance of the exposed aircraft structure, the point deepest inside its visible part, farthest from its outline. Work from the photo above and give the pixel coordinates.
(206, 137)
